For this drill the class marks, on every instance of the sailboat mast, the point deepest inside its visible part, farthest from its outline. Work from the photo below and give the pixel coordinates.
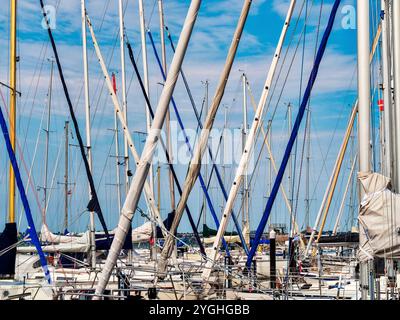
(123, 89)
(290, 169)
(167, 119)
(66, 128)
(88, 133)
(269, 139)
(245, 178)
(116, 135)
(13, 104)
(145, 78)
(396, 76)
(364, 116)
(206, 84)
(308, 157)
(46, 164)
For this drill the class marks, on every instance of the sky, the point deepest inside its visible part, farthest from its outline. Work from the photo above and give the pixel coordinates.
(332, 98)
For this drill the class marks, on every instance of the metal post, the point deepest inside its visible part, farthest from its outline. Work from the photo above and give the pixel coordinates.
(88, 126)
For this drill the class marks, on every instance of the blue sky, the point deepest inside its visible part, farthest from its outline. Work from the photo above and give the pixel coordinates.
(331, 102)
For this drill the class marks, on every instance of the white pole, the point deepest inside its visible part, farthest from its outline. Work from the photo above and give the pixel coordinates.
(88, 135)
(153, 248)
(123, 88)
(200, 148)
(248, 148)
(396, 76)
(290, 166)
(167, 120)
(149, 195)
(364, 85)
(145, 77)
(143, 167)
(46, 164)
(364, 117)
(117, 162)
(246, 223)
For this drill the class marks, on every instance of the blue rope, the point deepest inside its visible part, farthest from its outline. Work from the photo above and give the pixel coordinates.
(203, 185)
(219, 178)
(21, 189)
(293, 135)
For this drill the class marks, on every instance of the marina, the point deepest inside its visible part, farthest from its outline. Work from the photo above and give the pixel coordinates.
(200, 151)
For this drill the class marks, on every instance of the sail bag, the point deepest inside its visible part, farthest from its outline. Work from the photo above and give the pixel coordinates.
(379, 218)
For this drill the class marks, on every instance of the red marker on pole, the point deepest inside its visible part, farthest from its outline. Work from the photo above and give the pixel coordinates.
(114, 82)
(381, 105)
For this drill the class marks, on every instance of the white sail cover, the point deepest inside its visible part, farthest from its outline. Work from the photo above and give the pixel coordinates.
(79, 244)
(228, 239)
(379, 218)
(47, 236)
(142, 233)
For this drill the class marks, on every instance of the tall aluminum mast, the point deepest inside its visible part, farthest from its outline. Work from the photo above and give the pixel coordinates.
(364, 115)
(396, 76)
(47, 130)
(123, 88)
(88, 127)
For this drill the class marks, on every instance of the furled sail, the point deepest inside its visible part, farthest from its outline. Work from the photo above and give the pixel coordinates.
(379, 218)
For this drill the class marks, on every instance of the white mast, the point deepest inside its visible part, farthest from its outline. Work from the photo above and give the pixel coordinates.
(248, 147)
(201, 146)
(123, 88)
(145, 77)
(396, 76)
(364, 116)
(290, 166)
(153, 253)
(246, 223)
(46, 164)
(117, 157)
(88, 135)
(167, 120)
(143, 168)
(66, 183)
